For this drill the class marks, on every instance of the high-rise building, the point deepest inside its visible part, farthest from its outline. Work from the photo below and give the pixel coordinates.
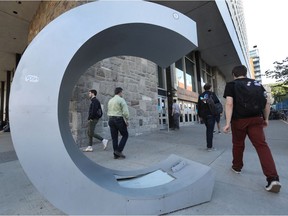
(254, 55)
(237, 15)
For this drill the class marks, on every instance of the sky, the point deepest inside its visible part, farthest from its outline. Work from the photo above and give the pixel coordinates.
(266, 26)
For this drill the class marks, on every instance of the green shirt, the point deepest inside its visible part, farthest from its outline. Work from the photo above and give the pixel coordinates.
(117, 107)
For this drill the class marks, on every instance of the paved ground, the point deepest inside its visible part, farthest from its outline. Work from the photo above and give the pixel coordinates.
(233, 194)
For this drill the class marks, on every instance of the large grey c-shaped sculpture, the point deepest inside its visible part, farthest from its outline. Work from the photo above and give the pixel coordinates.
(39, 101)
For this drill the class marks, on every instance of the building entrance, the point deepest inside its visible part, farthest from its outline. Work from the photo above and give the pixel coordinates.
(188, 113)
(163, 112)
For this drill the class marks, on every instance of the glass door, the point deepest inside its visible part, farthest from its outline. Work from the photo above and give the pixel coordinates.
(163, 112)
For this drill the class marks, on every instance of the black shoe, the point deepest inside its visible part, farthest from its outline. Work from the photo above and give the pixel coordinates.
(119, 154)
(273, 186)
(237, 171)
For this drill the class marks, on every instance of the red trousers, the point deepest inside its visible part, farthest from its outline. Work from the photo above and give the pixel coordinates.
(253, 127)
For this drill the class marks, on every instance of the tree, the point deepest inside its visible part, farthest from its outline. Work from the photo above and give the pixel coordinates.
(280, 73)
(279, 92)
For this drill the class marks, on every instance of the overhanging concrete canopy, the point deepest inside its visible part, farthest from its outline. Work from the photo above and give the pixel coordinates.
(39, 103)
(215, 46)
(215, 40)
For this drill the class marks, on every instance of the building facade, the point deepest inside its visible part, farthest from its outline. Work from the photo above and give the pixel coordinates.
(149, 89)
(254, 55)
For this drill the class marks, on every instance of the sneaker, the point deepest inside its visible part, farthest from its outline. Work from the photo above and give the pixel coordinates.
(237, 171)
(119, 154)
(104, 142)
(273, 186)
(88, 149)
(214, 132)
(219, 132)
(118, 157)
(211, 149)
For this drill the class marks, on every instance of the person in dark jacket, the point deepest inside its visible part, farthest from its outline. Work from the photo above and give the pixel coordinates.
(92, 121)
(205, 114)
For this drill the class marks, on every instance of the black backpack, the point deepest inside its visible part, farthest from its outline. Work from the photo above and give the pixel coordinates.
(215, 108)
(99, 112)
(250, 98)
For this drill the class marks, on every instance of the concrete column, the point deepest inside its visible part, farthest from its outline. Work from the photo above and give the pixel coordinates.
(8, 87)
(198, 70)
(2, 102)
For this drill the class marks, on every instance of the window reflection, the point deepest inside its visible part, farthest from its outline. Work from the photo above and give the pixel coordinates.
(180, 74)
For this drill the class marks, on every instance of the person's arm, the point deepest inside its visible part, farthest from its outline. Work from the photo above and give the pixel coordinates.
(228, 111)
(125, 111)
(216, 99)
(199, 108)
(266, 113)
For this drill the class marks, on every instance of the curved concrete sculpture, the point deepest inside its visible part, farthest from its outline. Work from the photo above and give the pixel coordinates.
(39, 101)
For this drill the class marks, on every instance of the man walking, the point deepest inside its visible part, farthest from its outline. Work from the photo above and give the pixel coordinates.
(95, 113)
(247, 109)
(217, 119)
(118, 122)
(206, 114)
(175, 114)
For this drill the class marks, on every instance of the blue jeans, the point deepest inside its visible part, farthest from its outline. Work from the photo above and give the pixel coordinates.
(209, 122)
(117, 124)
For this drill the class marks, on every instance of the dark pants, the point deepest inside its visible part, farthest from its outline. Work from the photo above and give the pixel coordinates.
(217, 118)
(209, 122)
(117, 124)
(91, 131)
(176, 120)
(253, 127)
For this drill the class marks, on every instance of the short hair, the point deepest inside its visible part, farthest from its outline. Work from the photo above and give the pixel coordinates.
(93, 91)
(207, 86)
(240, 70)
(118, 90)
(174, 100)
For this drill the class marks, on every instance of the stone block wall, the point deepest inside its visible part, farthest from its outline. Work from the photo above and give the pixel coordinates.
(219, 84)
(137, 77)
(48, 11)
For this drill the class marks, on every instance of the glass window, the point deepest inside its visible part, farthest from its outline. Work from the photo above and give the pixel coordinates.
(179, 74)
(161, 82)
(206, 74)
(190, 76)
(203, 78)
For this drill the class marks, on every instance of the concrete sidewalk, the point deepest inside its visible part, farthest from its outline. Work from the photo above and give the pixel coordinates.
(233, 194)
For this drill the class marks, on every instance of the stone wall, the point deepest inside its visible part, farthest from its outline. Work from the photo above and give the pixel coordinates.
(48, 11)
(220, 84)
(137, 77)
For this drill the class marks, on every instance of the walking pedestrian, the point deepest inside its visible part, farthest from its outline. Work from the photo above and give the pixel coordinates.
(175, 114)
(95, 113)
(206, 115)
(217, 119)
(247, 110)
(118, 122)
